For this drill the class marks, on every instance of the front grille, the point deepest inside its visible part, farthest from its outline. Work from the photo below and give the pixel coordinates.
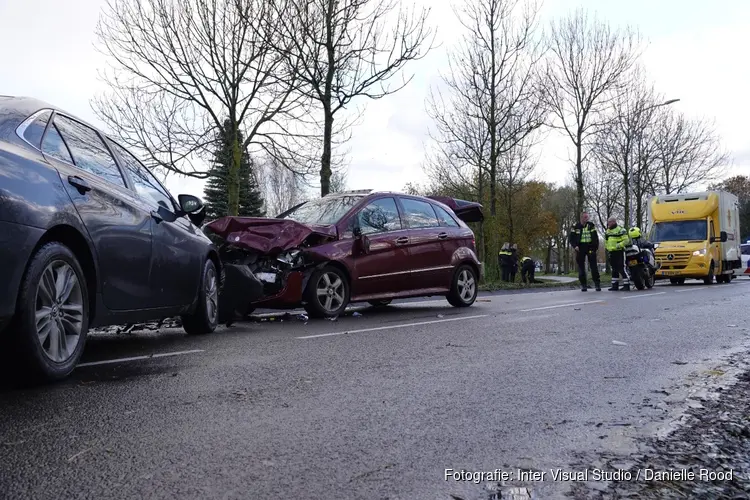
(679, 260)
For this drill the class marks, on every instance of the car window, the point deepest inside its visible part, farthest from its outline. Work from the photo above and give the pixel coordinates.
(419, 214)
(444, 217)
(745, 249)
(379, 216)
(35, 130)
(144, 181)
(323, 211)
(54, 146)
(88, 150)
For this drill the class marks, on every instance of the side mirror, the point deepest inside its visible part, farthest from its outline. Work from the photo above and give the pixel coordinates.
(189, 204)
(357, 232)
(723, 236)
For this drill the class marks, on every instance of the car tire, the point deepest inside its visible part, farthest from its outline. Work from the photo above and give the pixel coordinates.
(464, 288)
(205, 318)
(54, 267)
(709, 280)
(327, 293)
(380, 303)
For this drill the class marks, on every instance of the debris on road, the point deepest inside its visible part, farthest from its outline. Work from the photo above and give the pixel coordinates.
(333, 318)
(356, 314)
(441, 315)
(617, 342)
(679, 362)
(706, 457)
(303, 317)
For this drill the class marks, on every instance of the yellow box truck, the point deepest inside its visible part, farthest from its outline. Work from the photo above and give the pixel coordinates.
(696, 236)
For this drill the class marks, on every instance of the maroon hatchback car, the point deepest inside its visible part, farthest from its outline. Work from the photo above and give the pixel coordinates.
(350, 247)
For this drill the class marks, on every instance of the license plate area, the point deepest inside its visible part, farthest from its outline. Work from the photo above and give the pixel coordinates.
(670, 273)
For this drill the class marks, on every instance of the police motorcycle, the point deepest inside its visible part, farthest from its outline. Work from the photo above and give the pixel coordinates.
(639, 257)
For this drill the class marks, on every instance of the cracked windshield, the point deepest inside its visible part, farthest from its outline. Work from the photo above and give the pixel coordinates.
(374, 249)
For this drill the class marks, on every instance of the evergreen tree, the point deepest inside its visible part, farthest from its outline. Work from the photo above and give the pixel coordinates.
(216, 192)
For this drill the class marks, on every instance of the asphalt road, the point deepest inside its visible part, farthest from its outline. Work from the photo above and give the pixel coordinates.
(373, 406)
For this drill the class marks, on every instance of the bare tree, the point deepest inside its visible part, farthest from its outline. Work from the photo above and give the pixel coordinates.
(339, 180)
(562, 205)
(689, 153)
(349, 49)
(587, 63)
(604, 189)
(494, 99)
(619, 140)
(515, 168)
(281, 188)
(182, 69)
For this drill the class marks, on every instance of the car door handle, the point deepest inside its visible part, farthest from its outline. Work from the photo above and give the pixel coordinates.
(402, 240)
(81, 185)
(442, 236)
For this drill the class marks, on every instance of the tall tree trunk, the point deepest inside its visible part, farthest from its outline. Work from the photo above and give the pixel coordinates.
(548, 259)
(580, 195)
(626, 188)
(325, 160)
(493, 128)
(233, 182)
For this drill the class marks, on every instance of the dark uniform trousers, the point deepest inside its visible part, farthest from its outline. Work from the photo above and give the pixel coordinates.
(617, 261)
(527, 271)
(587, 253)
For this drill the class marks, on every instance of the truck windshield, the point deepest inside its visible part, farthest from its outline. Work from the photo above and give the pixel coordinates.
(683, 230)
(323, 211)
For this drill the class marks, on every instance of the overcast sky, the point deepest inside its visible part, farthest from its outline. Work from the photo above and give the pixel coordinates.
(48, 53)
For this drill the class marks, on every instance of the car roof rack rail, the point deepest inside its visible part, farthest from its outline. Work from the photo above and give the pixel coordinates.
(354, 191)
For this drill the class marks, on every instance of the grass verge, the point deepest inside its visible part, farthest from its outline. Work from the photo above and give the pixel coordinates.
(494, 285)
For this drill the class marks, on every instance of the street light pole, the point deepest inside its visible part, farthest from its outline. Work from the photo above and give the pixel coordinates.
(630, 179)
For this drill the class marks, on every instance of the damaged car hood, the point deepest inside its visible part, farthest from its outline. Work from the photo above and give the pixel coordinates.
(268, 236)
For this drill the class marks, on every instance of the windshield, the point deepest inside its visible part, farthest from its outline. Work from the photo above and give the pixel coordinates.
(683, 230)
(323, 211)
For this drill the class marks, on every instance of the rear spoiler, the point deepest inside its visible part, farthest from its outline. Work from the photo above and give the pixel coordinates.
(467, 211)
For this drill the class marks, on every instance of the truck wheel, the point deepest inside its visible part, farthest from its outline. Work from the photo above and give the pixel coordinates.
(709, 280)
(205, 318)
(52, 316)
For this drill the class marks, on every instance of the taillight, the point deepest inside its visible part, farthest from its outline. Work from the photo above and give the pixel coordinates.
(474, 243)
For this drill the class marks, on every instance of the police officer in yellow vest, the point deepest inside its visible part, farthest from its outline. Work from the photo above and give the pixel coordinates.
(503, 261)
(617, 239)
(527, 271)
(585, 240)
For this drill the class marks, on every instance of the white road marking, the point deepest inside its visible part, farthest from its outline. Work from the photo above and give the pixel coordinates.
(562, 305)
(692, 289)
(139, 358)
(404, 325)
(643, 295)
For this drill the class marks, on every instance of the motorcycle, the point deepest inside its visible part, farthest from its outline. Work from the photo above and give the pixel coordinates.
(642, 265)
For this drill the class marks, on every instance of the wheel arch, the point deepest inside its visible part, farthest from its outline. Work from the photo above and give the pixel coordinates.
(77, 243)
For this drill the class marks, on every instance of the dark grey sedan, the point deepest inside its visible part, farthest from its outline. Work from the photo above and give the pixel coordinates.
(89, 237)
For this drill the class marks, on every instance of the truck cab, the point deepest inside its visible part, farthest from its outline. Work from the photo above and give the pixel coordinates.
(696, 236)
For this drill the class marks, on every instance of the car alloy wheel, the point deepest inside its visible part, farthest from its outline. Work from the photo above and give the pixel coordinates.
(466, 285)
(330, 291)
(59, 311)
(212, 294)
